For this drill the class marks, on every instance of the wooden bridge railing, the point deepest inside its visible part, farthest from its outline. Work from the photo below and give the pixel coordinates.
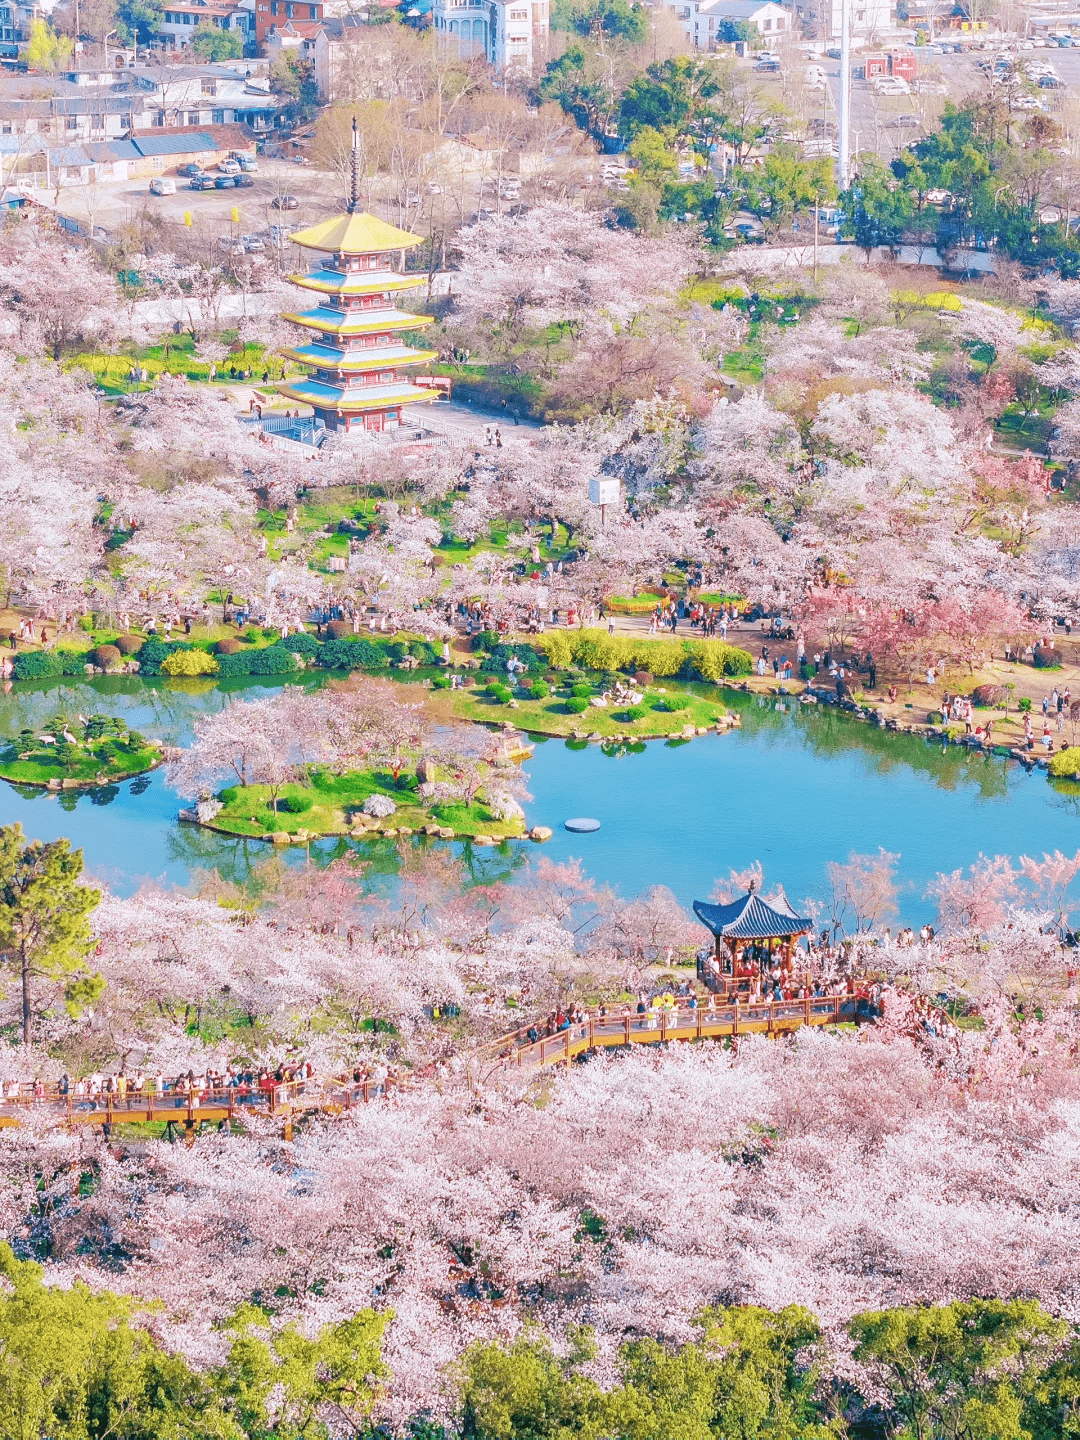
(736, 1018)
(188, 1107)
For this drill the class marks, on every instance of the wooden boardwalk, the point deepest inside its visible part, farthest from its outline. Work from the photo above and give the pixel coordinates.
(775, 1017)
(184, 1112)
(187, 1111)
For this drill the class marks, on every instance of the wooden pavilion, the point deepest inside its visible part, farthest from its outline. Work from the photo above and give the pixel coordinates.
(752, 922)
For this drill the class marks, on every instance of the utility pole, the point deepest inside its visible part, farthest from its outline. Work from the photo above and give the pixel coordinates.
(845, 91)
(817, 206)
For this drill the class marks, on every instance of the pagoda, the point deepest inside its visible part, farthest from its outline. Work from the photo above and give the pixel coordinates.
(355, 353)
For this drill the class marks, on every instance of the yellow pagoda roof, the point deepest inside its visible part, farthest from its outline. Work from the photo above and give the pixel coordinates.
(334, 282)
(359, 322)
(359, 234)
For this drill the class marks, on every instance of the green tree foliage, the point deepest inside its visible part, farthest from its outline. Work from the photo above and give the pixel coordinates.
(602, 19)
(44, 924)
(972, 1370)
(578, 81)
(878, 207)
(75, 1368)
(139, 20)
(752, 1376)
(670, 96)
(212, 43)
(47, 50)
(278, 1383)
(785, 184)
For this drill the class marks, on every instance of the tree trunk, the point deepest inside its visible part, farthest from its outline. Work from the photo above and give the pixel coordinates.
(25, 968)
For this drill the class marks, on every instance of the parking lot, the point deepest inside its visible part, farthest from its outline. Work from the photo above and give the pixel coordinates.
(257, 205)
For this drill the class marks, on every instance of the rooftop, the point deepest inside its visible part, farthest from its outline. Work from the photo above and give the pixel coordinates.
(752, 918)
(359, 234)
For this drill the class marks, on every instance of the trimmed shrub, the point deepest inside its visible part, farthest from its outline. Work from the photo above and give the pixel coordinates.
(274, 660)
(130, 644)
(670, 704)
(302, 644)
(713, 659)
(339, 629)
(540, 690)
(296, 804)
(440, 682)
(1024, 704)
(558, 646)
(581, 692)
(153, 655)
(635, 712)
(228, 646)
(189, 662)
(575, 706)
(36, 665)
(527, 655)
(107, 656)
(1065, 764)
(235, 664)
(499, 692)
(352, 655)
(72, 662)
(1046, 657)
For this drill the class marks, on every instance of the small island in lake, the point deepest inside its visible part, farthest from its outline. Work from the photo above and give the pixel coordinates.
(70, 754)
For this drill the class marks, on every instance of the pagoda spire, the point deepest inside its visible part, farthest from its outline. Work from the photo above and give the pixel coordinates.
(354, 171)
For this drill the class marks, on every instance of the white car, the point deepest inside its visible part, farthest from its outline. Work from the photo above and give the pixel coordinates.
(891, 85)
(229, 167)
(162, 185)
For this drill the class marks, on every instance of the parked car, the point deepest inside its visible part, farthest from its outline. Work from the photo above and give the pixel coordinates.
(201, 182)
(285, 202)
(248, 163)
(229, 167)
(243, 182)
(163, 185)
(225, 182)
(252, 242)
(192, 168)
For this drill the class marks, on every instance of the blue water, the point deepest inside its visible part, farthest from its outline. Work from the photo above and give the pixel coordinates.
(794, 788)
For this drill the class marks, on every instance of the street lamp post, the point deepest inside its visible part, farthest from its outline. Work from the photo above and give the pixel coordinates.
(105, 42)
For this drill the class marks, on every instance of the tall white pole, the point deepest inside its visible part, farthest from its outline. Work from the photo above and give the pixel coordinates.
(845, 92)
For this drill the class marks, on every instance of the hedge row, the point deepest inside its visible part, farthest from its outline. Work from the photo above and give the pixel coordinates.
(692, 659)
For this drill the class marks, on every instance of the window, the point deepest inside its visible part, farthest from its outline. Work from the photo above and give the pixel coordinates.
(313, 12)
(766, 25)
(780, 22)
(193, 117)
(73, 122)
(209, 87)
(218, 117)
(519, 14)
(7, 127)
(288, 12)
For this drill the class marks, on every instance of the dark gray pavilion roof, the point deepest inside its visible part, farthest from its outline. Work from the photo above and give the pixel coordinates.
(752, 918)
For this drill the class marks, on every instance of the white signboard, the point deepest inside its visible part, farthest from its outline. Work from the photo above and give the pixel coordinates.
(604, 490)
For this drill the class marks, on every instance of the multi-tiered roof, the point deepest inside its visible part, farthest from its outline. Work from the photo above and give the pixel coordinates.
(355, 350)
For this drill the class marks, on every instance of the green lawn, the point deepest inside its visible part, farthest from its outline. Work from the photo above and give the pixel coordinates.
(550, 716)
(87, 763)
(331, 804)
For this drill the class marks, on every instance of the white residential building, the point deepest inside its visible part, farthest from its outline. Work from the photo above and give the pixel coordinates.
(703, 20)
(873, 20)
(503, 31)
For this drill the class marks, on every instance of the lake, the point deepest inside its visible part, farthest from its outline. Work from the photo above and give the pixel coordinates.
(794, 788)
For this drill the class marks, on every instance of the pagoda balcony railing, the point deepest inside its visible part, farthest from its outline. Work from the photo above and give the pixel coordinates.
(305, 428)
